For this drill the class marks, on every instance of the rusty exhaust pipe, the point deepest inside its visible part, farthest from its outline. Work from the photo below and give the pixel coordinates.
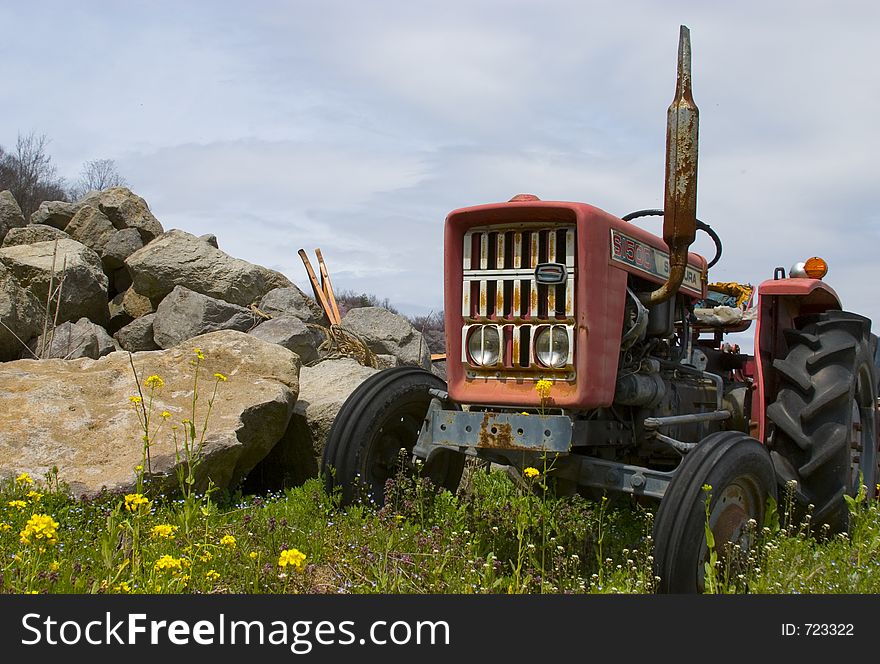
(680, 198)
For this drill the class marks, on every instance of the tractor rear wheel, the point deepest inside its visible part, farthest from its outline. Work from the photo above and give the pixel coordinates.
(824, 416)
(383, 416)
(734, 473)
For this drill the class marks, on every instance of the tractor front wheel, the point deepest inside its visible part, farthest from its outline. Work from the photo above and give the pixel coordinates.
(724, 484)
(383, 416)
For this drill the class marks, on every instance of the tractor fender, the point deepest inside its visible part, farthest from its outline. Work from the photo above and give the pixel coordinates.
(780, 302)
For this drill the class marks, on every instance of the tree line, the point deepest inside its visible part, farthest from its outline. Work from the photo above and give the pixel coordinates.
(27, 171)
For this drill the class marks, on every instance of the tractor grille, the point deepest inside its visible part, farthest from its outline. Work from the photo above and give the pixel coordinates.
(499, 285)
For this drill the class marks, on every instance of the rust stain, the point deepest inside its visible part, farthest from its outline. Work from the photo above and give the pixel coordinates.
(501, 439)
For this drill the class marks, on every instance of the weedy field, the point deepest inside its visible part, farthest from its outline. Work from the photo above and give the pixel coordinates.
(495, 536)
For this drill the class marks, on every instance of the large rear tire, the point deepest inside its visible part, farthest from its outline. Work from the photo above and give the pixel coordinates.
(739, 474)
(379, 419)
(824, 416)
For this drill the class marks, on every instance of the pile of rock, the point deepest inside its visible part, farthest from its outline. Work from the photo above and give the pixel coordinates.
(81, 281)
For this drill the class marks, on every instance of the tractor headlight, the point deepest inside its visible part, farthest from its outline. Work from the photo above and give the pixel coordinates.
(551, 346)
(484, 345)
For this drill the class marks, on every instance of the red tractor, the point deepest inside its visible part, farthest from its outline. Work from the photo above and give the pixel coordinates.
(579, 342)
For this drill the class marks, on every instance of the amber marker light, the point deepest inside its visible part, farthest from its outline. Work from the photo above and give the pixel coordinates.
(815, 267)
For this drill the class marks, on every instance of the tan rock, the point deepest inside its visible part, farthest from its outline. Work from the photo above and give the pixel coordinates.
(76, 414)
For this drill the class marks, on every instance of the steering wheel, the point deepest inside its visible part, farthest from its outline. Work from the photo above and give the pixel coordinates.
(706, 228)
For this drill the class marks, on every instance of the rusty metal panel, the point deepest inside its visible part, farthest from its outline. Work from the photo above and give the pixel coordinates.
(503, 431)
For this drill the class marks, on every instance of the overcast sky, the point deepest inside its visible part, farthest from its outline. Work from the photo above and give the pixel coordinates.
(357, 126)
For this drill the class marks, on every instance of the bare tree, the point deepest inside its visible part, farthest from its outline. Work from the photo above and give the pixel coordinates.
(29, 173)
(96, 175)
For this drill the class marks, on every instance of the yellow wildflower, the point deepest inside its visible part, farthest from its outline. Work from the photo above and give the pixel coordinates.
(212, 575)
(35, 496)
(20, 504)
(138, 468)
(165, 414)
(24, 478)
(54, 566)
(136, 502)
(5, 527)
(252, 555)
(122, 587)
(292, 557)
(220, 376)
(531, 472)
(135, 399)
(168, 563)
(163, 531)
(199, 354)
(543, 387)
(206, 557)
(228, 540)
(154, 382)
(41, 527)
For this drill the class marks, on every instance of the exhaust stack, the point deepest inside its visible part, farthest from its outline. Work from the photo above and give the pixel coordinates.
(680, 199)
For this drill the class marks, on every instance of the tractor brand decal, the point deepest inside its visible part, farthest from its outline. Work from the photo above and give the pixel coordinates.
(646, 258)
(550, 273)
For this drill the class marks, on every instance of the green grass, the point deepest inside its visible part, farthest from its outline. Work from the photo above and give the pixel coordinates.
(493, 537)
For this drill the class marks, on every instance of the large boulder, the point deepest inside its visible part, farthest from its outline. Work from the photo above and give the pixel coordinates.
(137, 335)
(291, 301)
(91, 227)
(125, 209)
(177, 258)
(291, 333)
(72, 341)
(84, 290)
(33, 233)
(120, 246)
(386, 333)
(324, 387)
(54, 213)
(21, 316)
(184, 314)
(10, 213)
(76, 415)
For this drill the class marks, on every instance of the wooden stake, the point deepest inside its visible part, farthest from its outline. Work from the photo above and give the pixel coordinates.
(327, 286)
(319, 293)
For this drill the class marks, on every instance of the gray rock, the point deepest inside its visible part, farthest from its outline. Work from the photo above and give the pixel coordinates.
(135, 304)
(291, 301)
(76, 415)
(32, 234)
(324, 387)
(125, 210)
(387, 361)
(291, 333)
(119, 317)
(21, 316)
(84, 289)
(54, 213)
(211, 239)
(120, 246)
(137, 335)
(184, 314)
(177, 258)
(386, 333)
(91, 227)
(72, 341)
(10, 214)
